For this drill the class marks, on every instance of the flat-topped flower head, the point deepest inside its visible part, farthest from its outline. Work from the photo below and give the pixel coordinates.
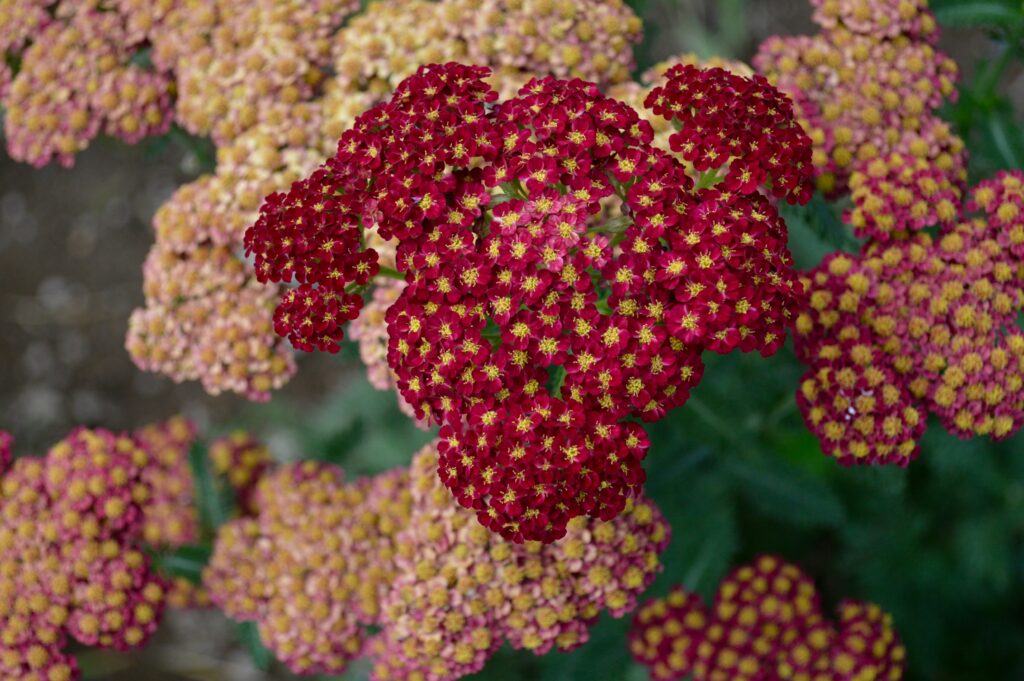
(592, 40)
(765, 623)
(75, 81)
(917, 325)
(392, 568)
(740, 127)
(241, 460)
(867, 87)
(858, 409)
(311, 567)
(1002, 201)
(206, 318)
(460, 592)
(526, 327)
(878, 17)
(901, 193)
(71, 563)
(237, 62)
(170, 517)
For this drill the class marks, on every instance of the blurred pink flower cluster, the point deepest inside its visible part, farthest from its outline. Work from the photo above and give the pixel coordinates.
(766, 623)
(866, 87)
(71, 558)
(326, 563)
(275, 83)
(922, 318)
(918, 325)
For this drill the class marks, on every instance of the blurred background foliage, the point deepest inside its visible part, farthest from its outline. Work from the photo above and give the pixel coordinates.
(940, 545)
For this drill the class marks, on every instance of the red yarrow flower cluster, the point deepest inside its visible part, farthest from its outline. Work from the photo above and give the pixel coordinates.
(71, 564)
(742, 127)
(765, 624)
(918, 325)
(527, 329)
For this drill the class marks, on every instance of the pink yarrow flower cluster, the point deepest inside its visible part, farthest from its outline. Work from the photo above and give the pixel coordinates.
(219, 68)
(918, 325)
(527, 331)
(310, 568)
(171, 516)
(273, 83)
(76, 79)
(765, 624)
(206, 318)
(391, 568)
(71, 563)
(867, 86)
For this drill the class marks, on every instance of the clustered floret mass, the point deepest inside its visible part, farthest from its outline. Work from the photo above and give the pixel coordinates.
(206, 318)
(866, 87)
(917, 325)
(635, 92)
(391, 568)
(527, 329)
(171, 516)
(71, 561)
(558, 261)
(275, 83)
(77, 78)
(765, 623)
(922, 319)
(899, 194)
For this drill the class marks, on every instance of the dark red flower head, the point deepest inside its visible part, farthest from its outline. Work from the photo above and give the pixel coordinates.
(532, 324)
(742, 128)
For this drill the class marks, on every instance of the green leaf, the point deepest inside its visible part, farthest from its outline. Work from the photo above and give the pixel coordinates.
(816, 230)
(201, 148)
(556, 377)
(604, 656)
(711, 547)
(1006, 138)
(249, 635)
(984, 549)
(214, 509)
(966, 13)
(732, 25)
(337, 446)
(785, 492)
(185, 561)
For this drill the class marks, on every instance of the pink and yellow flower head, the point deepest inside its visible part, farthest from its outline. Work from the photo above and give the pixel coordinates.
(71, 563)
(765, 623)
(326, 563)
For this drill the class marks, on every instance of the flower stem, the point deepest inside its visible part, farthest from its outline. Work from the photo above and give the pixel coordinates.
(390, 272)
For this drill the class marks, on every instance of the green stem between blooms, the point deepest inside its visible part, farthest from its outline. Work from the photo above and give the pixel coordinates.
(391, 273)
